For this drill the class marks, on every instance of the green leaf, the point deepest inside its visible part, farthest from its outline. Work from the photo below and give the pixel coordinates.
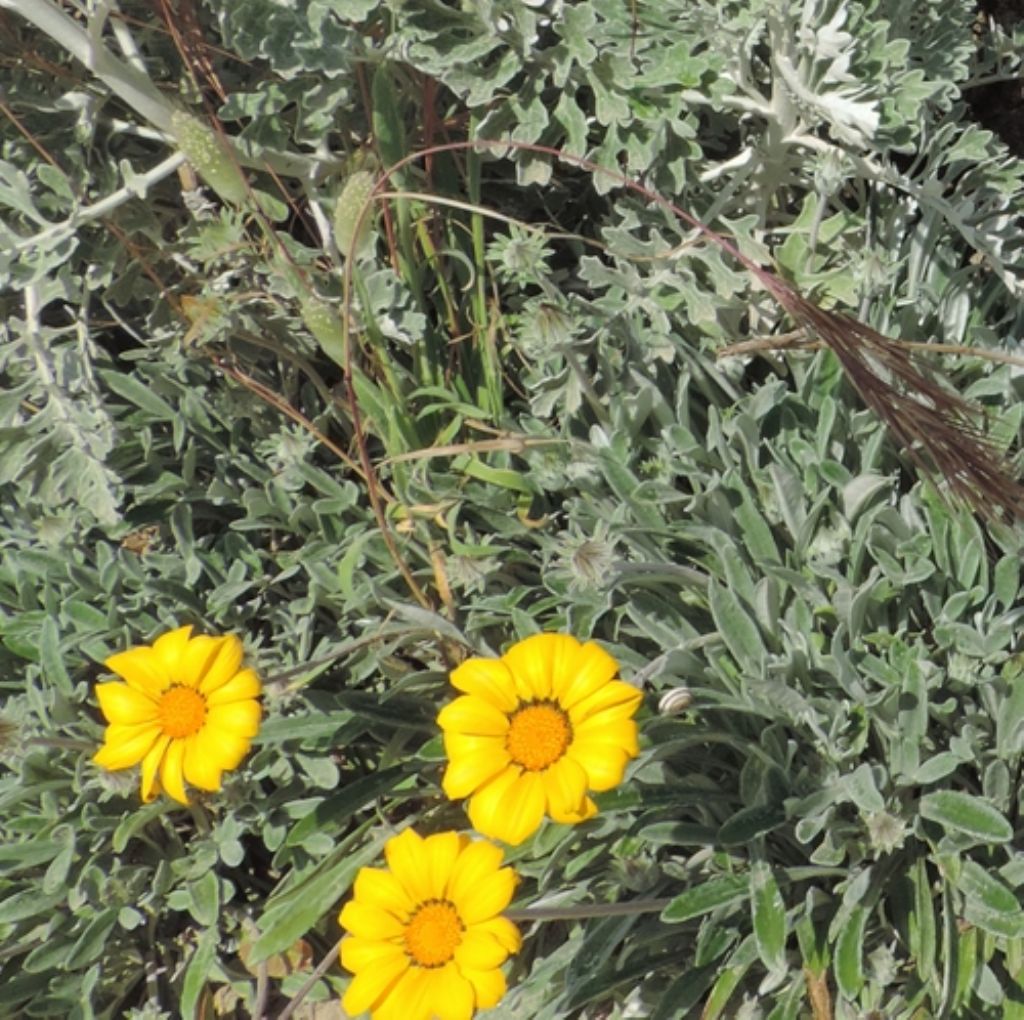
(989, 902)
(93, 939)
(291, 913)
(204, 899)
(769, 917)
(724, 891)
(135, 821)
(51, 657)
(333, 812)
(849, 954)
(749, 822)
(963, 813)
(198, 972)
(138, 393)
(736, 627)
(911, 723)
(27, 903)
(388, 127)
(737, 967)
(922, 923)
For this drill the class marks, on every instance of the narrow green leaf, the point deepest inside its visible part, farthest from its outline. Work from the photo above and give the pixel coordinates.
(911, 723)
(197, 972)
(135, 821)
(988, 902)
(27, 903)
(739, 964)
(735, 626)
(339, 808)
(204, 899)
(502, 477)
(290, 914)
(51, 658)
(388, 128)
(769, 917)
(684, 993)
(138, 393)
(702, 899)
(1010, 720)
(922, 923)
(966, 966)
(91, 942)
(849, 955)
(757, 536)
(749, 822)
(961, 812)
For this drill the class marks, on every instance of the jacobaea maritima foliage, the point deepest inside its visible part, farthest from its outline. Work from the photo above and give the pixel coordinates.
(521, 397)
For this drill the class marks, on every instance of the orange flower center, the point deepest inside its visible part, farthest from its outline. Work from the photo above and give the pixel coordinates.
(182, 711)
(433, 933)
(538, 735)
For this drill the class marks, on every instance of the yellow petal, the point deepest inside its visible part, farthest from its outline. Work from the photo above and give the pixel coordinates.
(440, 853)
(200, 654)
(458, 744)
(480, 887)
(475, 716)
(469, 772)
(479, 950)
(372, 985)
(150, 764)
(452, 995)
(489, 680)
(510, 807)
(414, 994)
(381, 889)
(237, 718)
(599, 729)
(407, 999)
(618, 698)
(604, 762)
(224, 666)
(170, 648)
(125, 746)
(359, 954)
(531, 662)
(201, 768)
(404, 854)
(123, 704)
(504, 931)
(366, 921)
(223, 750)
(586, 672)
(244, 685)
(587, 809)
(143, 669)
(172, 771)
(488, 986)
(565, 785)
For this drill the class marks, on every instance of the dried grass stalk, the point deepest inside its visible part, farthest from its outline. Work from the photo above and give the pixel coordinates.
(937, 428)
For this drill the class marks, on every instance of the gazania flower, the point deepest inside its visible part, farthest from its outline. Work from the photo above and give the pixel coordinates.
(187, 711)
(534, 731)
(425, 936)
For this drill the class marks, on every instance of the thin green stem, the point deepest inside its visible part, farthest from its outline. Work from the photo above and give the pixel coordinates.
(201, 817)
(579, 913)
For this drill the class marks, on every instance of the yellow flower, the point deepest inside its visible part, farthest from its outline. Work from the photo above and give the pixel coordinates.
(187, 710)
(425, 936)
(534, 731)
